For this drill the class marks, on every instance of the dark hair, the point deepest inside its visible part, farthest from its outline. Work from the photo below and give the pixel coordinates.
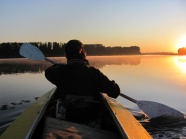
(74, 50)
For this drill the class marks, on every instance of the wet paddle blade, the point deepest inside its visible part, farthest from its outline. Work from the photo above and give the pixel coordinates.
(154, 110)
(31, 52)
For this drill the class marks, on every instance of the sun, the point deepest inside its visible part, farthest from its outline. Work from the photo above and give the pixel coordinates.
(181, 43)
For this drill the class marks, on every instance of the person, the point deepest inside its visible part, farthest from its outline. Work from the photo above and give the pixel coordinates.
(78, 78)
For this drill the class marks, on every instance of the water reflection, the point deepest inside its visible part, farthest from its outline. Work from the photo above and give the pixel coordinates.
(100, 61)
(180, 62)
(175, 130)
(13, 66)
(154, 78)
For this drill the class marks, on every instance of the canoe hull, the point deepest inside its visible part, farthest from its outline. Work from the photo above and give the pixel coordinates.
(27, 124)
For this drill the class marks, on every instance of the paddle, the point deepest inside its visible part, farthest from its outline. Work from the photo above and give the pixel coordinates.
(31, 52)
(154, 109)
(151, 109)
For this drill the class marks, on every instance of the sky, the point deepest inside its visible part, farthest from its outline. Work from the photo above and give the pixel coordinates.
(153, 25)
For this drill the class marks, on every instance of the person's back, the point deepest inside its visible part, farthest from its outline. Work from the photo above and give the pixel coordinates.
(76, 80)
(77, 77)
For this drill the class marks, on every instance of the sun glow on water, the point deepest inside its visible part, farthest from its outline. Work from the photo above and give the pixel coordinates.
(181, 63)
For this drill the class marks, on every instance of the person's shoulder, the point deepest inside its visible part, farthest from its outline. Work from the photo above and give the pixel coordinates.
(57, 66)
(94, 69)
(61, 65)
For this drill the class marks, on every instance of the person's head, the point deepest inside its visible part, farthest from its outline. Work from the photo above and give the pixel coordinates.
(74, 49)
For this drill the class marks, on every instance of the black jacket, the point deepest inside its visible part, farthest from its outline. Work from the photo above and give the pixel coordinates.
(77, 78)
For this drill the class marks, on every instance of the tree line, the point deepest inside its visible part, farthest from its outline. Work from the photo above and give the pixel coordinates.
(51, 49)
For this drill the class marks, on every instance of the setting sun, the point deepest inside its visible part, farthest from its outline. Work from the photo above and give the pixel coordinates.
(181, 43)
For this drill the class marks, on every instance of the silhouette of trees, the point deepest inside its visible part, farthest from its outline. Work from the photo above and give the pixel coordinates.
(11, 49)
(182, 51)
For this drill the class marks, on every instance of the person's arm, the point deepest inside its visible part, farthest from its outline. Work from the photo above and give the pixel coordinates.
(52, 73)
(107, 86)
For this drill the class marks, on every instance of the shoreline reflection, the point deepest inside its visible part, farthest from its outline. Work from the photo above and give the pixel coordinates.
(22, 65)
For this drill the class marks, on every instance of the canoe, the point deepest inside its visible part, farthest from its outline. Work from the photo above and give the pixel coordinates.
(37, 122)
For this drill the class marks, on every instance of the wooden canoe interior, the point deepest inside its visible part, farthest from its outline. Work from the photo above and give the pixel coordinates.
(60, 129)
(49, 127)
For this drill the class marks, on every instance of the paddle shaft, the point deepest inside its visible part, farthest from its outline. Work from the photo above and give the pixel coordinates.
(129, 98)
(125, 96)
(51, 61)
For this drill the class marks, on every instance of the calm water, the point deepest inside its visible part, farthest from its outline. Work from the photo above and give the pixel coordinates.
(155, 78)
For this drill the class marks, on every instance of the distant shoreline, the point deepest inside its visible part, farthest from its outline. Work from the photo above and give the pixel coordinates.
(160, 53)
(163, 54)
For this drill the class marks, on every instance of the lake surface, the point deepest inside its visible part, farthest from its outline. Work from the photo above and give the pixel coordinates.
(155, 78)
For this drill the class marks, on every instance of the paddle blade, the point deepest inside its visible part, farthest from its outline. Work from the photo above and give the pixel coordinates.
(154, 110)
(31, 52)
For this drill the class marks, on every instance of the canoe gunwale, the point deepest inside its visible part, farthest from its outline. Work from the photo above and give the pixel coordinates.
(128, 125)
(122, 132)
(25, 124)
(39, 116)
